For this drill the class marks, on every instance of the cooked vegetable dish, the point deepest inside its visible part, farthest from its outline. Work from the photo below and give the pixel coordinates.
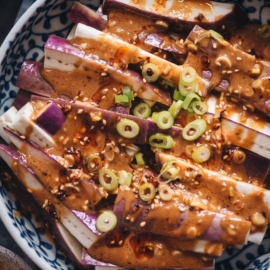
(146, 132)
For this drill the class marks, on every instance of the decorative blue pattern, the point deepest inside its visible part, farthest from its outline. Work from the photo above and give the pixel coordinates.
(27, 41)
(31, 230)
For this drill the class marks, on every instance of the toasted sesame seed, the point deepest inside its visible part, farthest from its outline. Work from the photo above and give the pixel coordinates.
(214, 45)
(142, 224)
(103, 74)
(236, 70)
(239, 58)
(80, 111)
(229, 72)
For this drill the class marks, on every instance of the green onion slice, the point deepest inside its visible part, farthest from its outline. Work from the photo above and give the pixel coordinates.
(165, 192)
(142, 110)
(139, 158)
(264, 32)
(128, 92)
(164, 120)
(127, 128)
(107, 179)
(147, 192)
(150, 72)
(94, 163)
(201, 154)
(123, 99)
(177, 95)
(125, 178)
(194, 129)
(191, 97)
(160, 140)
(199, 107)
(186, 89)
(216, 35)
(168, 171)
(188, 75)
(106, 221)
(175, 108)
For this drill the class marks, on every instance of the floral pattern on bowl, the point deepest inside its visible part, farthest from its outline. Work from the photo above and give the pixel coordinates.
(26, 41)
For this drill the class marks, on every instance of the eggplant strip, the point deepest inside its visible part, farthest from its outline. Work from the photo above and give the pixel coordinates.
(57, 209)
(80, 13)
(61, 54)
(121, 53)
(212, 226)
(146, 250)
(185, 15)
(238, 74)
(241, 198)
(48, 170)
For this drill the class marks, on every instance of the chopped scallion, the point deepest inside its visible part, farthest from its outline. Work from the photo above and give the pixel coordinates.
(127, 128)
(201, 153)
(125, 178)
(191, 97)
(94, 163)
(164, 120)
(106, 221)
(175, 108)
(139, 158)
(147, 192)
(160, 140)
(150, 72)
(194, 129)
(107, 179)
(142, 110)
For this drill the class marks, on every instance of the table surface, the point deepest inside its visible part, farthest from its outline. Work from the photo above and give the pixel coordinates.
(10, 11)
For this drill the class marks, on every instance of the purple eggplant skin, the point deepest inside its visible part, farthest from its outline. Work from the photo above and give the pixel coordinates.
(22, 98)
(31, 80)
(235, 19)
(82, 14)
(51, 119)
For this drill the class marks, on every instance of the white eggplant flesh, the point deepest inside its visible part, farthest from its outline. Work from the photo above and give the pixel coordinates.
(250, 134)
(6, 120)
(23, 123)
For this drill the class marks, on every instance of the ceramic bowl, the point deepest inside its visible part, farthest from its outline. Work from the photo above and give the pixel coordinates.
(25, 41)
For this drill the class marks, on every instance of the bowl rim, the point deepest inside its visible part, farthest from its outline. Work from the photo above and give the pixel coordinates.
(17, 27)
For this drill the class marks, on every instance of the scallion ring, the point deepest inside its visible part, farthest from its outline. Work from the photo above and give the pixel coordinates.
(199, 107)
(106, 221)
(127, 128)
(125, 178)
(194, 129)
(216, 35)
(160, 140)
(94, 163)
(147, 192)
(186, 89)
(188, 75)
(107, 179)
(164, 120)
(127, 91)
(177, 95)
(139, 158)
(201, 154)
(150, 72)
(142, 110)
(169, 172)
(165, 192)
(264, 31)
(191, 97)
(123, 99)
(175, 108)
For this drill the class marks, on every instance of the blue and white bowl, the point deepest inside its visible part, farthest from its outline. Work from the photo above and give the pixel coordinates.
(25, 41)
